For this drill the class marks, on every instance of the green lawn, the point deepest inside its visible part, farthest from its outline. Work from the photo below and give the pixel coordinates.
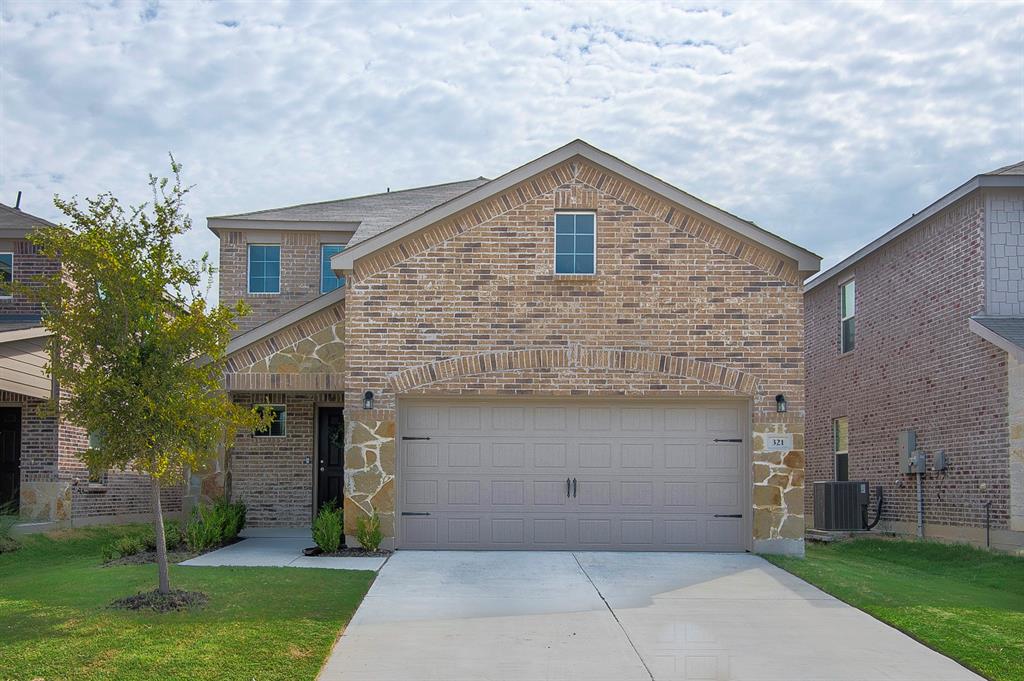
(964, 602)
(261, 623)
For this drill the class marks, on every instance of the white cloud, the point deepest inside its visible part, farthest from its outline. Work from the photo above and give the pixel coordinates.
(827, 124)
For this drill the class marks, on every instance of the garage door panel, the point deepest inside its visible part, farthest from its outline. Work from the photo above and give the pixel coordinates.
(648, 477)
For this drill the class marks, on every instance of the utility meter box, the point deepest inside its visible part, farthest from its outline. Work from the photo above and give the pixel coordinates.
(919, 462)
(940, 463)
(908, 449)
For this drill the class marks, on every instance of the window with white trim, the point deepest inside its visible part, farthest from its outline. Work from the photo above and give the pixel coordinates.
(847, 310)
(575, 243)
(277, 426)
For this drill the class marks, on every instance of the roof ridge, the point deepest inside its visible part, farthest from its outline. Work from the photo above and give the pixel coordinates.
(350, 198)
(999, 171)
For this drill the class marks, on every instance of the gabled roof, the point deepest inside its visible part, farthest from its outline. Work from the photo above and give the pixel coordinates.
(15, 222)
(806, 260)
(1007, 176)
(363, 215)
(1003, 332)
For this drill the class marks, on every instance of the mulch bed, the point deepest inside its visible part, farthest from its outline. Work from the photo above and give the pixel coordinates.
(150, 557)
(158, 602)
(347, 552)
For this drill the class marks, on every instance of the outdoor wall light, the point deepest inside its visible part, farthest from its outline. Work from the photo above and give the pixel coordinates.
(780, 403)
(368, 399)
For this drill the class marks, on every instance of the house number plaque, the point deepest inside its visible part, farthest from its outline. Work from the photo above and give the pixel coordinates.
(774, 442)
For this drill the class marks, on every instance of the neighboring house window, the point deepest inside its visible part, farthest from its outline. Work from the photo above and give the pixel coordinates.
(6, 274)
(574, 243)
(841, 447)
(329, 282)
(847, 309)
(277, 426)
(264, 268)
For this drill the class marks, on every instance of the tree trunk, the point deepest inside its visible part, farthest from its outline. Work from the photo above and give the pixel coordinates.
(161, 541)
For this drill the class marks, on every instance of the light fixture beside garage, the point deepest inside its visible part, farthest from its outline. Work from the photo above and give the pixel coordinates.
(780, 403)
(368, 399)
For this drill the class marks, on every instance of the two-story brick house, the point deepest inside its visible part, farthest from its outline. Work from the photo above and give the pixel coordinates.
(41, 472)
(921, 330)
(572, 355)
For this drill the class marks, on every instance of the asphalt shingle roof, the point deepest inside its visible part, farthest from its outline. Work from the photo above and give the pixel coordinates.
(14, 218)
(1012, 169)
(374, 213)
(1010, 328)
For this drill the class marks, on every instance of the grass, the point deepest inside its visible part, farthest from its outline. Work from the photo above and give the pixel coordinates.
(260, 623)
(964, 602)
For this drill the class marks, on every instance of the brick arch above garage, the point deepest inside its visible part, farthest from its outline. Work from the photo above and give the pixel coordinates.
(542, 371)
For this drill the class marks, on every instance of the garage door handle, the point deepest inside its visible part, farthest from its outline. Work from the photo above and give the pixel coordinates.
(728, 515)
(406, 437)
(731, 439)
(413, 513)
(574, 488)
(567, 488)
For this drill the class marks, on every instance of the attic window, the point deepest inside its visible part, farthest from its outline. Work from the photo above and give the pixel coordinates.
(575, 243)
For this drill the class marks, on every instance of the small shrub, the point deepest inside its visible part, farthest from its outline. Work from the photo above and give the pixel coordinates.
(172, 536)
(368, 532)
(125, 545)
(8, 519)
(214, 525)
(328, 528)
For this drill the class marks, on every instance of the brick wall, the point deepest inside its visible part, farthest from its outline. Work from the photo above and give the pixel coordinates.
(668, 285)
(28, 264)
(915, 366)
(300, 271)
(38, 437)
(274, 475)
(1004, 246)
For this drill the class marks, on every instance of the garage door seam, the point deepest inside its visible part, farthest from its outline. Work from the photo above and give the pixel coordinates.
(614, 616)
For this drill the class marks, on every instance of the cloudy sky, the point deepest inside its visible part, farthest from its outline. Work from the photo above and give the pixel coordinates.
(825, 123)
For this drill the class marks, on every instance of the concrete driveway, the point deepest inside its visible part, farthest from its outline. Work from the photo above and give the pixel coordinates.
(449, 616)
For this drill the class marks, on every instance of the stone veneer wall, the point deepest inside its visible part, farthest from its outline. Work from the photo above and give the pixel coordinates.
(679, 308)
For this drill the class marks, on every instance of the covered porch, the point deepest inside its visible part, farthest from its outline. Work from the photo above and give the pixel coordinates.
(293, 365)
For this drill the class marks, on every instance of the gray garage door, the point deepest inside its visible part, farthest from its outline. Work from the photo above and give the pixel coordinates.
(530, 474)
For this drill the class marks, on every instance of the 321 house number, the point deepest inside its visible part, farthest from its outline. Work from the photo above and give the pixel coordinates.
(778, 443)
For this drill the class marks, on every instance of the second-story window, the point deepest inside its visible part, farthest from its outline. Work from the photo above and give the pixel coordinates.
(264, 268)
(6, 274)
(847, 309)
(574, 243)
(329, 282)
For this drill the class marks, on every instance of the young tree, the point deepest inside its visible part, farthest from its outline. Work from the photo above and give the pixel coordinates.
(136, 348)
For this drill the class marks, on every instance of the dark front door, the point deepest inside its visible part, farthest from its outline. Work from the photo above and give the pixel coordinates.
(10, 455)
(330, 453)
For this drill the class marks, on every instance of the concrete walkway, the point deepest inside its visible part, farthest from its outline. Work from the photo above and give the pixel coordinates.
(279, 548)
(521, 616)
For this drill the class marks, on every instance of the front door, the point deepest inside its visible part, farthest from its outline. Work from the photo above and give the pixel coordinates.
(10, 455)
(330, 481)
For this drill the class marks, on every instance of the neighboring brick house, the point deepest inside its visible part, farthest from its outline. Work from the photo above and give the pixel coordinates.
(40, 470)
(573, 355)
(921, 330)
